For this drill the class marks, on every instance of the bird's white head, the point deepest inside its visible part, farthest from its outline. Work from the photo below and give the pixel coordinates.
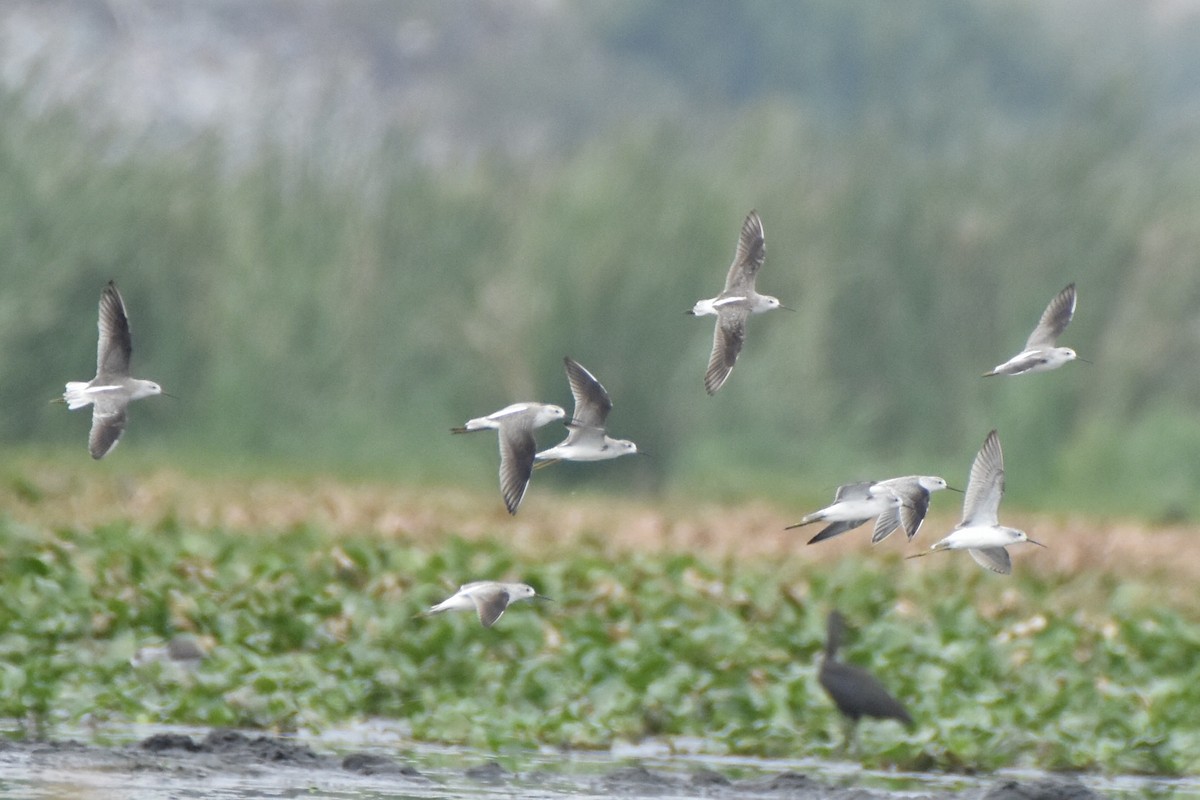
(523, 591)
(548, 414)
(1014, 535)
(765, 302)
(145, 389)
(623, 446)
(1065, 354)
(932, 483)
(1020, 536)
(520, 591)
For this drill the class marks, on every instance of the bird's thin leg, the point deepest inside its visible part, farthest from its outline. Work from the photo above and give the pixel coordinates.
(852, 739)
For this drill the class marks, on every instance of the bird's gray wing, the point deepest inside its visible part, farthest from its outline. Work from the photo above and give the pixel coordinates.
(108, 423)
(517, 449)
(994, 558)
(836, 529)
(913, 506)
(911, 516)
(490, 606)
(1054, 319)
(592, 402)
(728, 337)
(750, 255)
(859, 490)
(115, 344)
(981, 505)
(885, 523)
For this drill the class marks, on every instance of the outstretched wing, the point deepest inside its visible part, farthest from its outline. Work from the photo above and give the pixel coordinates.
(981, 506)
(994, 558)
(490, 606)
(836, 529)
(750, 255)
(517, 449)
(592, 402)
(1054, 320)
(728, 338)
(115, 344)
(108, 423)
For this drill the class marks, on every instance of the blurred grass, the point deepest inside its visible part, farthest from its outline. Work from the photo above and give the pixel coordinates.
(309, 612)
(342, 322)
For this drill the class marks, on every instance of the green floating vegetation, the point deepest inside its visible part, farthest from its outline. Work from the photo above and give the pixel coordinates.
(310, 630)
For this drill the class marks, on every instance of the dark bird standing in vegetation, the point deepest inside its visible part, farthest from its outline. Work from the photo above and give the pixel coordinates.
(854, 691)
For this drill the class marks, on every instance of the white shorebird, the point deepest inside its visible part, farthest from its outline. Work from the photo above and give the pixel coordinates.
(898, 502)
(736, 302)
(913, 491)
(980, 532)
(588, 440)
(1040, 353)
(488, 598)
(515, 424)
(112, 390)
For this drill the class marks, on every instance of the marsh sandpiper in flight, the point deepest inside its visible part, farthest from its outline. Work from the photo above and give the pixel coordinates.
(980, 532)
(736, 302)
(112, 390)
(898, 502)
(587, 439)
(488, 598)
(515, 424)
(1041, 353)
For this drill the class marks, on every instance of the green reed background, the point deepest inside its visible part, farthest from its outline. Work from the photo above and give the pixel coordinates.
(928, 177)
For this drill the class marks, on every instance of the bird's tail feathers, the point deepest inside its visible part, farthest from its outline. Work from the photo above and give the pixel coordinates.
(76, 395)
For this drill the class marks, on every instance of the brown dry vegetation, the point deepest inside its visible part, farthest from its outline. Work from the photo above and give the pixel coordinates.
(53, 496)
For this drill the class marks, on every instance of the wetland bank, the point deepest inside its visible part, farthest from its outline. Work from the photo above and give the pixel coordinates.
(231, 764)
(673, 624)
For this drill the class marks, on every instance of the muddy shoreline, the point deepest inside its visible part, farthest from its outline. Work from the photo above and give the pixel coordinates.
(249, 765)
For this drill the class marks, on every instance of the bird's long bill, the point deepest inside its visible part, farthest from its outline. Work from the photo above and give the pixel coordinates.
(1084, 360)
(1039, 544)
(786, 308)
(952, 489)
(543, 597)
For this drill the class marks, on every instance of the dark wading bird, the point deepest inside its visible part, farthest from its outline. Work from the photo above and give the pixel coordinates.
(854, 691)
